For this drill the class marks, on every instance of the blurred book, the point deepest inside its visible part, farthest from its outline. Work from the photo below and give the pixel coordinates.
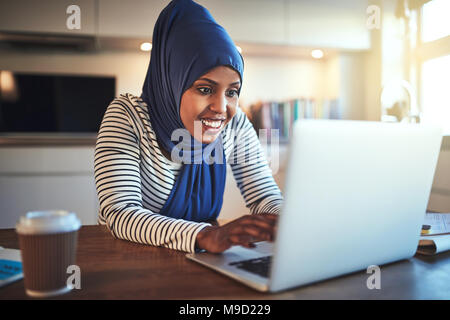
(10, 266)
(281, 116)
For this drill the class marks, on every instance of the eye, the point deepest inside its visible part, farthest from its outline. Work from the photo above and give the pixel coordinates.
(205, 90)
(232, 93)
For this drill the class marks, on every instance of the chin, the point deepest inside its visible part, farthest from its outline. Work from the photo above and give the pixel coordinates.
(208, 139)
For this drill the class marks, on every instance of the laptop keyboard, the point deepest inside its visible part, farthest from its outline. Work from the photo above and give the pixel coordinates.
(259, 266)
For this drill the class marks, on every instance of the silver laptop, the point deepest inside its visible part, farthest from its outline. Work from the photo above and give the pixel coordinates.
(356, 194)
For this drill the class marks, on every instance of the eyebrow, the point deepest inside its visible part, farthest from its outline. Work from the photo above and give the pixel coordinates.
(215, 83)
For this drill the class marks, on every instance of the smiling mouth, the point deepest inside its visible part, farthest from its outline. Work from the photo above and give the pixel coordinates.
(212, 123)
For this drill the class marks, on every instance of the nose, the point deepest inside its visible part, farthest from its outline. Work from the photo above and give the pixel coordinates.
(219, 104)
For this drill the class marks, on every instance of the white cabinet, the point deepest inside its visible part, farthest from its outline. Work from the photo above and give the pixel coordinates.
(21, 194)
(259, 21)
(131, 18)
(46, 16)
(328, 23)
(310, 23)
(254, 21)
(42, 178)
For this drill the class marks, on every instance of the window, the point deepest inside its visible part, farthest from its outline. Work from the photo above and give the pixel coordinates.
(435, 20)
(436, 92)
(432, 62)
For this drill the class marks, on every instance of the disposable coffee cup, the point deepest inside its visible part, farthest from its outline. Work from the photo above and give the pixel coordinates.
(48, 245)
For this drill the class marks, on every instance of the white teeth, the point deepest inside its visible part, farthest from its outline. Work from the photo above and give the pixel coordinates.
(213, 124)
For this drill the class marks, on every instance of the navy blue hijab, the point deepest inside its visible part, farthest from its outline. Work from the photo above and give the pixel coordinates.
(187, 43)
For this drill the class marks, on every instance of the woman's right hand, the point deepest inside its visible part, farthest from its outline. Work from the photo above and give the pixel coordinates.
(242, 231)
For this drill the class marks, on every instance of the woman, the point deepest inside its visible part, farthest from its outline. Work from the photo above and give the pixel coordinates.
(158, 190)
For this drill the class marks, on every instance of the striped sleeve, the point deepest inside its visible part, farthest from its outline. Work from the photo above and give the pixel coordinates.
(251, 170)
(118, 183)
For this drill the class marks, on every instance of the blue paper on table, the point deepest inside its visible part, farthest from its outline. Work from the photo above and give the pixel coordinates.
(10, 266)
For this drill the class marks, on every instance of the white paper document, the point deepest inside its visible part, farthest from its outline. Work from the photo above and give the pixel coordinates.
(438, 237)
(439, 222)
(434, 244)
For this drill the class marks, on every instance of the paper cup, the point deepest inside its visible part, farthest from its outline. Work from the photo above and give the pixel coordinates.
(48, 243)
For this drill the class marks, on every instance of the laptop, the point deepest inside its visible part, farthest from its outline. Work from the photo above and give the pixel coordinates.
(355, 195)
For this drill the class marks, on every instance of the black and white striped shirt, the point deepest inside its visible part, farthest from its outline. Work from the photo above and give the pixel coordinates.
(134, 179)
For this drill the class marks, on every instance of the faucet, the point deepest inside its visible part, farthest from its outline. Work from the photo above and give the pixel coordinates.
(401, 111)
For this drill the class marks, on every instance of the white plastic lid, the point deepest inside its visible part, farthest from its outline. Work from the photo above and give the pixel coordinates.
(52, 221)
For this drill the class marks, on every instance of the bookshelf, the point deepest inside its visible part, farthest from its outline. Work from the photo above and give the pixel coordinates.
(282, 114)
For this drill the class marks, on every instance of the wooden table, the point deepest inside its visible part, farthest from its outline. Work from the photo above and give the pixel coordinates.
(118, 269)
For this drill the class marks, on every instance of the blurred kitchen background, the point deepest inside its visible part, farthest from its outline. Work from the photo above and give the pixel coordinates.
(62, 62)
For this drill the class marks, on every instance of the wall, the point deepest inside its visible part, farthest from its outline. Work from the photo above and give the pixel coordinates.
(268, 78)
(276, 78)
(352, 90)
(344, 76)
(372, 78)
